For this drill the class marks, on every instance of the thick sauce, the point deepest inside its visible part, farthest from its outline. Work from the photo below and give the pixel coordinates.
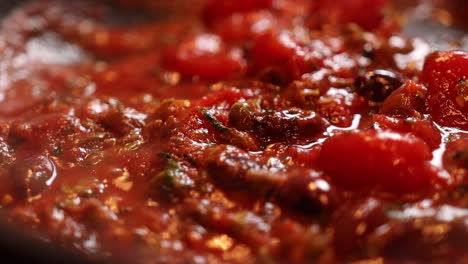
(238, 131)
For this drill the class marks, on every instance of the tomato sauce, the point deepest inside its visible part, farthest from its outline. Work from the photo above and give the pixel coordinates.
(237, 131)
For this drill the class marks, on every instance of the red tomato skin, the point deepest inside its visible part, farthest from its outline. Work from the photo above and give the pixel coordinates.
(421, 128)
(366, 13)
(445, 74)
(205, 56)
(216, 9)
(245, 26)
(282, 53)
(407, 101)
(397, 163)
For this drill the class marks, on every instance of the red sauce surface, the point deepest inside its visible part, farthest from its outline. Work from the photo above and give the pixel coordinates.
(236, 131)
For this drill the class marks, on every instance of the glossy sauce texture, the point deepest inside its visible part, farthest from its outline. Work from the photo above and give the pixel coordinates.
(241, 131)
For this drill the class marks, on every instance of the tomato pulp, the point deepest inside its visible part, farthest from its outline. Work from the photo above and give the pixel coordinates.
(286, 131)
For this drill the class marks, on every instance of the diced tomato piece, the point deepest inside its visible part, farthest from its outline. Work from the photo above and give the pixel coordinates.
(339, 106)
(423, 129)
(394, 162)
(445, 74)
(215, 9)
(407, 101)
(307, 157)
(123, 73)
(245, 26)
(366, 13)
(205, 56)
(227, 96)
(282, 53)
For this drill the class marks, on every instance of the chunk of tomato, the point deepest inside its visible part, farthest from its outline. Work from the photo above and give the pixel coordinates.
(205, 56)
(281, 53)
(366, 13)
(216, 9)
(445, 74)
(421, 128)
(396, 163)
(407, 101)
(250, 25)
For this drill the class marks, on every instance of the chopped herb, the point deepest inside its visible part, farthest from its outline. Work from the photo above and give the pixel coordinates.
(172, 180)
(214, 121)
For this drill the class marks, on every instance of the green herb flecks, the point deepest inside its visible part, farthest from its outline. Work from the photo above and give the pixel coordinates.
(214, 121)
(172, 181)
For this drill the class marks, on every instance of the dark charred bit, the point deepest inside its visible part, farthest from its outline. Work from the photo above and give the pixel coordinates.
(304, 190)
(461, 156)
(228, 135)
(292, 122)
(307, 191)
(229, 165)
(32, 176)
(273, 75)
(368, 52)
(289, 123)
(377, 85)
(116, 118)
